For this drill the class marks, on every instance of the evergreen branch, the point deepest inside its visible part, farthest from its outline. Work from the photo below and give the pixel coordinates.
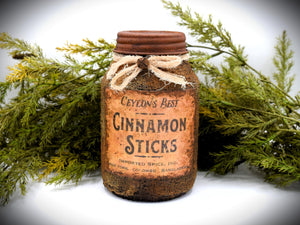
(219, 40)
(19, 49)
(89, 48)
(260, 117)
(205, 31)
(213, 49)
(240, 107)
(53, 115)
(283, 63)
(281, 76)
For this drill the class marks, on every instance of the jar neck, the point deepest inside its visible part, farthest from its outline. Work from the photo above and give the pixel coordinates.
(129, 66)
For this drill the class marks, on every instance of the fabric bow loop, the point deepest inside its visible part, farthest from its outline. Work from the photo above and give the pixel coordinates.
(133, 65)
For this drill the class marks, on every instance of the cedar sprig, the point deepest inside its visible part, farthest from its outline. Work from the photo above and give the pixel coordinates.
(19, 49)
(283, 62)
(210, 36)
(53, 124)
(256, 113)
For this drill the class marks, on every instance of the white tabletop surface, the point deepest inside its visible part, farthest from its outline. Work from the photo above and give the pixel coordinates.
(242, 198)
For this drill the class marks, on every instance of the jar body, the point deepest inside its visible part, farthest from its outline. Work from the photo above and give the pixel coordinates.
(149, 136)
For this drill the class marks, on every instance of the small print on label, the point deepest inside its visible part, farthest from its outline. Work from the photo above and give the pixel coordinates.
(150, 134)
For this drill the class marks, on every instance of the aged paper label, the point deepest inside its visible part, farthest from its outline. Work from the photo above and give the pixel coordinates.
(150, 134)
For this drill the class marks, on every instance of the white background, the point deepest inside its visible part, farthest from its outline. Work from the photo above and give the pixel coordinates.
(240, 198)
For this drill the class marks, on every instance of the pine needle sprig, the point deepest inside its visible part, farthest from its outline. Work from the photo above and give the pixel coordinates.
(237, 101)
(215, 38)
(283, 62)
(209, 36)
(19, 48)
(53, 124)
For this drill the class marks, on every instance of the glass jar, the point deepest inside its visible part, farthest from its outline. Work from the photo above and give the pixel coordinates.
(149, 117)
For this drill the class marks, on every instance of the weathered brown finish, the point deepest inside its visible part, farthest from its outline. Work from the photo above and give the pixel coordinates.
(151, 43)
(151, 186)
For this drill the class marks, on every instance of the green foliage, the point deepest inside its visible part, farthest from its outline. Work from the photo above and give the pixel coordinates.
(53, 124)
(283, 63)
(51, 130)
(255, 120)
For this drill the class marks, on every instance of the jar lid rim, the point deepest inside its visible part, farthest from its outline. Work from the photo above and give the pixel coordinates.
(151, 42)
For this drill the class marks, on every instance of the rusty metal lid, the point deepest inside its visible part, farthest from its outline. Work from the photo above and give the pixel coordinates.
(145, 42)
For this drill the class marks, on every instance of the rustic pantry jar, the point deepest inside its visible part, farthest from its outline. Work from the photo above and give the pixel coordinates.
(149, 116)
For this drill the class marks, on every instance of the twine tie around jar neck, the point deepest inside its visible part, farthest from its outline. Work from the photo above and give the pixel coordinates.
(134, 64)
